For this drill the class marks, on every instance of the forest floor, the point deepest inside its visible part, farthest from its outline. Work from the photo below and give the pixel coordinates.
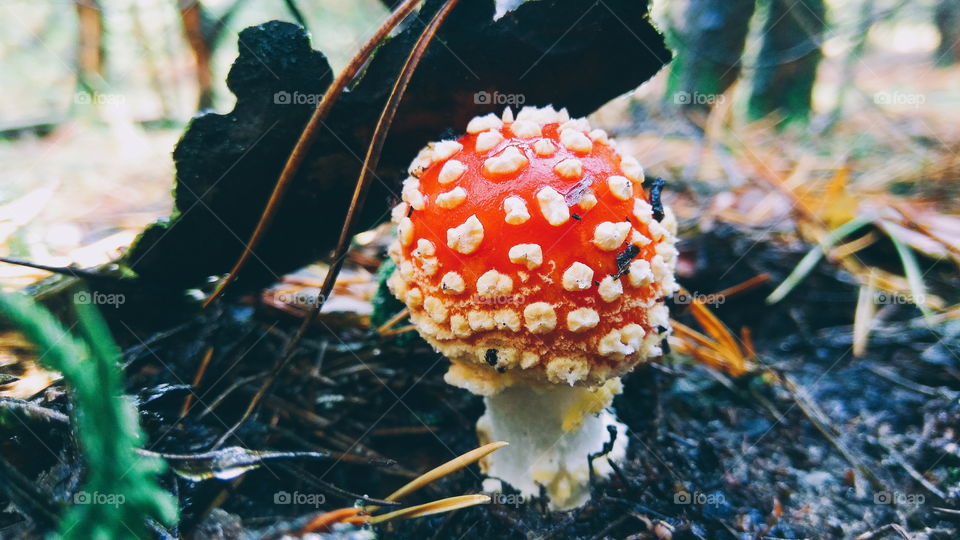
(843, 424)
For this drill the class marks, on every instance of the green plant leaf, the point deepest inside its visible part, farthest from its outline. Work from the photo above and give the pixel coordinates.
(120, 492)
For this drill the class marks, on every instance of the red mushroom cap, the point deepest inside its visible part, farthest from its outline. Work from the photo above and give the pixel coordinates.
(527, 249)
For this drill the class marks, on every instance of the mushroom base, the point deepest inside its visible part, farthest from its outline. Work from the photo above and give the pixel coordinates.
(552, 431)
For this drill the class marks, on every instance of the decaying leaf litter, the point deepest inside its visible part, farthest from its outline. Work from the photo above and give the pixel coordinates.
(788, 433)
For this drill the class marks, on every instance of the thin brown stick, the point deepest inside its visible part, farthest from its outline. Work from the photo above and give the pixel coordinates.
(323, 522)
(397, 331)
(196, 380)
(400, 315)
(435, 507)
(306, 139)
(822, 423)
(447, 468)
(743, 286)
(267, 383)
(370, 164)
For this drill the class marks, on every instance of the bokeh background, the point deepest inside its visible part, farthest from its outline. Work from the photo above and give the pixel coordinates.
(810, 150)
(96, 93)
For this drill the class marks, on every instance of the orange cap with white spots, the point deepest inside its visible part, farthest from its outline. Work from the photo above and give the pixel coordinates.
(528, 251)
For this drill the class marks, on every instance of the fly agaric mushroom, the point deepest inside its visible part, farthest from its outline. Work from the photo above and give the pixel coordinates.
(529, 255)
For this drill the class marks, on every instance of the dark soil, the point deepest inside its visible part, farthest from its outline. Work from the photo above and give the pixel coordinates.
(709, 456)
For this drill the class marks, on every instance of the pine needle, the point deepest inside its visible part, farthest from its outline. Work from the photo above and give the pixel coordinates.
(447, 468)
(810, 260)
(914, 276)
(436, 507)
(324, 521)
(864, 317)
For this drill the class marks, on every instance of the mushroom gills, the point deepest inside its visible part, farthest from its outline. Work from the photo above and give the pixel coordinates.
(551, 430)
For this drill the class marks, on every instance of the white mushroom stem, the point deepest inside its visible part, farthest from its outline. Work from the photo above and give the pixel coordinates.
(552, 431)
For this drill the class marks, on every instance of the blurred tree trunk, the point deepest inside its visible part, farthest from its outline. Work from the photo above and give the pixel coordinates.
(866, 20)
(947, 17)
(787, 64)
(707, 52)
(192, 19)
(149, 59)
(203, 33)
(90, 46)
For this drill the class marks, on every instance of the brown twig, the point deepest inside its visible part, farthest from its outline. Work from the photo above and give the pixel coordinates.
(397, 331)
(908, 384)
(370, 164)
(196, 381)
(393, 320)
(306, 139)
(883, 532)
(743, 286)
(822, 423)
(912, 471)
(79, 273)
(262, 391)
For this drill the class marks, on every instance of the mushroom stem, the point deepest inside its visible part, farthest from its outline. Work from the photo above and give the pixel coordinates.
(552, 431)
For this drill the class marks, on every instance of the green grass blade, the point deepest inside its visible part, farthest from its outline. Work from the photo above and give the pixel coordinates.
(914, 277)
(810, 260)
(120, 491)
